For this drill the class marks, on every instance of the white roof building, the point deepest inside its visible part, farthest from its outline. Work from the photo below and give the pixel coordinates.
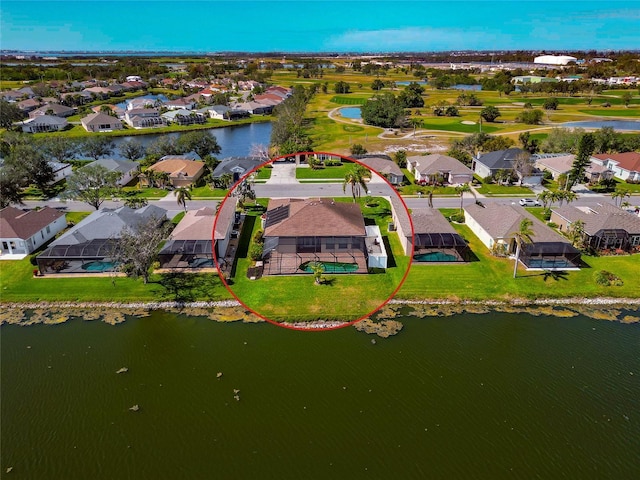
(554, 59)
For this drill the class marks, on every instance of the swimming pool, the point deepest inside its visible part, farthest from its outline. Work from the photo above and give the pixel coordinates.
(434, 257)
(549, 264)
(331, 267)
(98, 266)
(201, 263)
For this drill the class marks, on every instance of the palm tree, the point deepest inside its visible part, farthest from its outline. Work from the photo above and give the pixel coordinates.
(460, 189)
(575, 232)
(317, 269)
(619, 195)
(150, 176)
(522, 236)
(569, 196)
(546, 197)
(183, 194)
(163, 178)
(356, 177)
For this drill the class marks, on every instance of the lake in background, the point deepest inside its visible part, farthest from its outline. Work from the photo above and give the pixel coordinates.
(235, 141)
(616, 124)
(470, 396)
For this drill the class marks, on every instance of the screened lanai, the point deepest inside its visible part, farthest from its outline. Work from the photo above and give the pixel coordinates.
(186, 254)
(440, 247)
(90, 256)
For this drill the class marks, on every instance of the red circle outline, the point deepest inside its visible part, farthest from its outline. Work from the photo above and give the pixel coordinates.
(284, 324)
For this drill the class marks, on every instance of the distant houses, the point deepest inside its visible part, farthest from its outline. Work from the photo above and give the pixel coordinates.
(179, 170)
(491, 163)
(384, 166)
(625, 166)
(438, 168)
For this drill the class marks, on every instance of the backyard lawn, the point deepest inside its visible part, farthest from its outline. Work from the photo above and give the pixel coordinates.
(337, 172)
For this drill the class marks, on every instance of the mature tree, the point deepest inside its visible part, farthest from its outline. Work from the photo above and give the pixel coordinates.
(545, 197)
(287, 134)
(411, 96)
(29, 161)
(562, 140)
(522, 165)
(9, 113)
(531, 145)
(182, 194)
(92, 184)
(522, 237)
(163, 145)
(377, 84)
(460, 190)
(530, 117)
(132, 149)
(60, 149)
(401, 158)
(550, 104)
(199, 141)
(627, 97)
(341, 87)
(583, 159)
(10, 186)
(460, 155)
(490, 113)
(97, 146)
(136, 249)
(135, 201)
(243, 191)
(356, 178)
(358, 149)
(383, 111)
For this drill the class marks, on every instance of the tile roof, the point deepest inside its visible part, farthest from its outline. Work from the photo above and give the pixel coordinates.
(601, 217)
(629, 160)
(313, 217)
(16, 223)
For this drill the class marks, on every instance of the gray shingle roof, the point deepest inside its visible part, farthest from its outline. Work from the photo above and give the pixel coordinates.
(500, 159)
(115, 165)
(430, 220)
(601, 217)
(240, 165)
(436, 163)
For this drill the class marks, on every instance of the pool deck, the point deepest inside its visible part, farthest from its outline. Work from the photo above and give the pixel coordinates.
(288, 263)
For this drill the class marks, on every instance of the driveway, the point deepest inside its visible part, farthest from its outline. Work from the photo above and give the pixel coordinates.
(283, 173)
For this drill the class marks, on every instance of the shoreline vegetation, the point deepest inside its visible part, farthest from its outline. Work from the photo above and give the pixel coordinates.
(383, 323)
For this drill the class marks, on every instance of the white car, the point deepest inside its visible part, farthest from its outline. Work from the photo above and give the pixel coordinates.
(529, 202)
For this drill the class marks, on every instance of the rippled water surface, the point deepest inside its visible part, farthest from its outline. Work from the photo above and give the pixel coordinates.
(478, 396)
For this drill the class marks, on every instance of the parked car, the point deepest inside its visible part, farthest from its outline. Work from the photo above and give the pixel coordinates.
(529, 202)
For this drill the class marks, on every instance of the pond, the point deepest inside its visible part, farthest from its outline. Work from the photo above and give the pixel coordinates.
(353, 113)
(615, 124)
(497, 395)
(474, 88)
(235, 141)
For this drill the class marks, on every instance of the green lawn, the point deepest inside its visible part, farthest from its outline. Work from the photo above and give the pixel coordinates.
(304, 173)
(264, 173)
(146, 192)
(455, 125)
(495, 189)
(492, 277)
(632, 187)
(343, 297)
(414, 189)
(340, 100)
(207, 192)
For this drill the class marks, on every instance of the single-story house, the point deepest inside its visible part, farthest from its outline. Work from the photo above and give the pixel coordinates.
(561, 164)
(495, 225)
(29, 104)
(435, 239)
(401, 223)
(298, 232)
(142, 102)
(439, 168)
(489, 164)
(255, 108)
(606, 227)
(24, 231)
(60, 170)
(127, 169)
(191, 242)
(180, 104)
(384, 166)
(184, 117)
(217, 111)
(144, 118)
(236, 166)
(625, 166)
(87, 247)
(182, 171)
(54, 109)
(101, 122)
(44, 123)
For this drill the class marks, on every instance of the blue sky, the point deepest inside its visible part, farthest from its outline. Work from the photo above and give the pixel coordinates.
(317, 25)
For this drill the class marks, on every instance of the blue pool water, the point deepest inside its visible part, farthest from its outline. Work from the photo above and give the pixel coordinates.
(331, 267)
(434, 257)
(616, 124)
(351, 112)
(549, 264)
(201, 262)
(98, 266)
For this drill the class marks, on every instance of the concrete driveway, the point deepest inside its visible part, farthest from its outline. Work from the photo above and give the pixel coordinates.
(283, 173)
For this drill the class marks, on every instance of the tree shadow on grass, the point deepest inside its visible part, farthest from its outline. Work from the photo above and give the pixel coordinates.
(184, 287)
(555, 275)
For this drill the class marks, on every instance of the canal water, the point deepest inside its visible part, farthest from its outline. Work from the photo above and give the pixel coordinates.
(470, 396)
(235, 141)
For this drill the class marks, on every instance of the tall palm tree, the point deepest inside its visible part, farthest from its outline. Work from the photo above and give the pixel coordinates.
(150, 176)
(162, 178)
(183, 194)
(619, 195)
(460, 189)
(356, 177)
(545, 197)
(522, 236)
(570, 196)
